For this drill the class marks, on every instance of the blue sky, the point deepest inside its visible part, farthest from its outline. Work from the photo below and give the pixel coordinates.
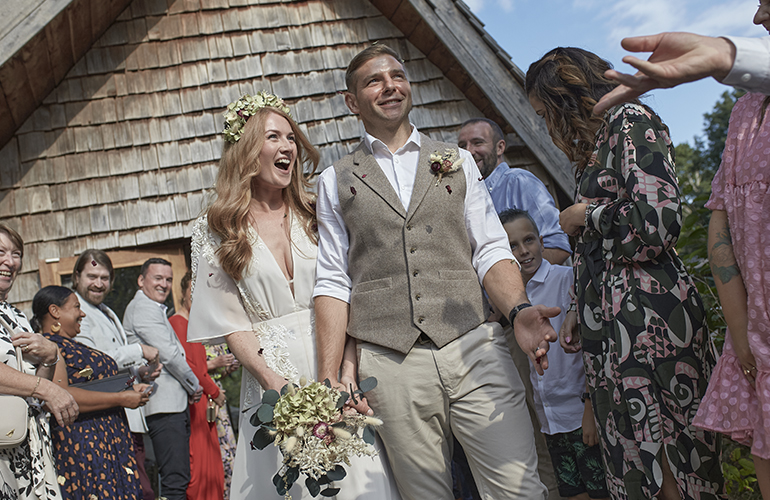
(527, 29)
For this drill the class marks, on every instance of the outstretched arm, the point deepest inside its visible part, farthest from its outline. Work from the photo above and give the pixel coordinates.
(676, 58)
(731, 289)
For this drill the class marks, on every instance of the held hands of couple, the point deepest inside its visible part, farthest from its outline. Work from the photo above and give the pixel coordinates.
(533, 332)
(355, 402)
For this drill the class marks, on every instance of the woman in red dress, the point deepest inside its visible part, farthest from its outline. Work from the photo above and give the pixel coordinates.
(206, 472)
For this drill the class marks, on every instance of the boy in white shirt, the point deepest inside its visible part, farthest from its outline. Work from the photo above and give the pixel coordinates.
(559, 394)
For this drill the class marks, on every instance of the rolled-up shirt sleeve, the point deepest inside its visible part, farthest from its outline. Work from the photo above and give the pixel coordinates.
(751, 69)
(485, 232)
(332, 266)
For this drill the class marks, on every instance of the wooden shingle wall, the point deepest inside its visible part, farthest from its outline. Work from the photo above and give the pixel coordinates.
(123, 151)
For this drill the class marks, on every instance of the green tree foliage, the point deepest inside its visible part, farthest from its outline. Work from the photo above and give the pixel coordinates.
(696, 166)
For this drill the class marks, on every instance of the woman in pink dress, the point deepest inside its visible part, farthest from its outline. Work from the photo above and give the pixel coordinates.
(737, 402)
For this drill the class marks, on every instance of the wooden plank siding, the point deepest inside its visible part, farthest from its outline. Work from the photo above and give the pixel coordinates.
(122, 151)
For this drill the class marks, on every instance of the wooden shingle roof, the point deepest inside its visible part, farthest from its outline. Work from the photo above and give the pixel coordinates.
(122, 150)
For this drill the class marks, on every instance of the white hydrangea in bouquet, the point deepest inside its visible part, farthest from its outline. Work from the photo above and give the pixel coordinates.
(315, 436)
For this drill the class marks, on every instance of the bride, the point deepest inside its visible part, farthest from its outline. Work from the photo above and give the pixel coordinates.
(254, 257)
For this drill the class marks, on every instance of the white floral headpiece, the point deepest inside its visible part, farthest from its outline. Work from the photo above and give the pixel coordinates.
(240, 111)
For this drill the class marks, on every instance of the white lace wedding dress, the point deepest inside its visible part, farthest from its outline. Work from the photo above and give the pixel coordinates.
(283, 322)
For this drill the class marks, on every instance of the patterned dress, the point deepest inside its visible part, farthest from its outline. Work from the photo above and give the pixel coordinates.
(225, 433)
(641, 319)
(94, 455)
(27, 471)
(742, 188)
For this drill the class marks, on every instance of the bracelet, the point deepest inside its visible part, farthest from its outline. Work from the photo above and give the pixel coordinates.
(32, 395)
(585, 396)
(516, 310)
(572, 307)
(589, 210)
(49, 365)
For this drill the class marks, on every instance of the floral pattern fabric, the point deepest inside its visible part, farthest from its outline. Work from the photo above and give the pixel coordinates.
(646, 351)
(741, 187)
(95, 455)
(27, 471)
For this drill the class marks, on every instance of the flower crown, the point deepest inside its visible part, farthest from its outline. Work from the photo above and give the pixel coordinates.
(240, 111)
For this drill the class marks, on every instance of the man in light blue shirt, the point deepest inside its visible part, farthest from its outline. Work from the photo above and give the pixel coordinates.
(514, 187)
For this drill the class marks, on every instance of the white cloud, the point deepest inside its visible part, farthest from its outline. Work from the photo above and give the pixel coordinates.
(478, 5)
(622, 18)
(506, 5)
(475, 5)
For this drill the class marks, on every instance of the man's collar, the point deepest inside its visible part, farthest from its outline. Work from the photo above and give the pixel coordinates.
(542, 272)
(160, 304)
(372, 142)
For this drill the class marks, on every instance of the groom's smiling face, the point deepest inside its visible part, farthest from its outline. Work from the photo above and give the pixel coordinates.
(382, 95)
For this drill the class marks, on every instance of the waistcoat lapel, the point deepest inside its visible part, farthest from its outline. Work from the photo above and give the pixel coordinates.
(423, 177)
(370, 173)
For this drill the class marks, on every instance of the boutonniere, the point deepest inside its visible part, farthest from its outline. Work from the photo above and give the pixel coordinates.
(445, 163)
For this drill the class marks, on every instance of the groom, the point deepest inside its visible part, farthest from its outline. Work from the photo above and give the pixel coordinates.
(406, 240)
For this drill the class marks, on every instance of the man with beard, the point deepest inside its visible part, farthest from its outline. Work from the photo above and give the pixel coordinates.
(101, 329)
(514, 187)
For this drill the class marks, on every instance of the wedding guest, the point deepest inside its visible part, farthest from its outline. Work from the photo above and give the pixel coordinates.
(565, 415)
(641, 320)
(737, 399)
(513, 187)
(408, 234)
(206, 471)
(167, 416)
(686, 57)
(27, 471)
(221, 363)
(92, 278)
(254, 255)
(95, 454)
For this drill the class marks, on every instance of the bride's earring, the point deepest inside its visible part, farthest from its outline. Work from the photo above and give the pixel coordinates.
(56, 327)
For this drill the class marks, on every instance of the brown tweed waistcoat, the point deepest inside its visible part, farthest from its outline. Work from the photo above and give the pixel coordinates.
(411, 270)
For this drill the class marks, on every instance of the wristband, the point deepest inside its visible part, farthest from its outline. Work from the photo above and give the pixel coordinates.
(589, 210)
(37, 384)
(49, 365)
(585, 397)
(516, 310)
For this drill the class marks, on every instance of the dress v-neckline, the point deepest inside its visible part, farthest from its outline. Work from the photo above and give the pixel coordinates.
(289, 282)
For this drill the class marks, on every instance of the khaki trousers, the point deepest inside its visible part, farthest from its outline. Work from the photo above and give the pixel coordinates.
(544, 463)
(471, 388)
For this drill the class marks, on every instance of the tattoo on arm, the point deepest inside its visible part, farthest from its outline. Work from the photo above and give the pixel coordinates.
(721, 257)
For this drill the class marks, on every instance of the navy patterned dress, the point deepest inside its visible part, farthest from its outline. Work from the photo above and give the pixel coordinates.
(95, 455)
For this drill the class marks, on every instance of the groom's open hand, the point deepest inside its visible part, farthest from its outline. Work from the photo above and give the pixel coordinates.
(533, 332)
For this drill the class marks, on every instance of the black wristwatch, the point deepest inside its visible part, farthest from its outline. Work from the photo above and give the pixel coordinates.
(585, 396)
(516, 310)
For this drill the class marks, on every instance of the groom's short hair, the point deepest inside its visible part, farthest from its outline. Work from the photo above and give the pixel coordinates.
(365, 55)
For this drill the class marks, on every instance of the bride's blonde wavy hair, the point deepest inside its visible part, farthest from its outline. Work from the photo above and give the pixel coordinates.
(228, 215)
(569, 82)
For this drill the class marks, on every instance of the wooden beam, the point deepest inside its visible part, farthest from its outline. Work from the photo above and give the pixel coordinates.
(442, 23)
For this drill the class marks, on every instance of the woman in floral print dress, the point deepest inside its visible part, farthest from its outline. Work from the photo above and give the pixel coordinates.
(641, 320)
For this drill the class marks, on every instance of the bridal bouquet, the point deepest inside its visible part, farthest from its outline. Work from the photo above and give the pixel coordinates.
(315, 436)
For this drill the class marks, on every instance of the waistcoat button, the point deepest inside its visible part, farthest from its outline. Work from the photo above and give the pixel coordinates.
(417, 297)
(420, 320)
(412, 250)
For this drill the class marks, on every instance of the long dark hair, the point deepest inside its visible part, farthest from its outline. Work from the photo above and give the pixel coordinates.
(569, 82)
(43, 299)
